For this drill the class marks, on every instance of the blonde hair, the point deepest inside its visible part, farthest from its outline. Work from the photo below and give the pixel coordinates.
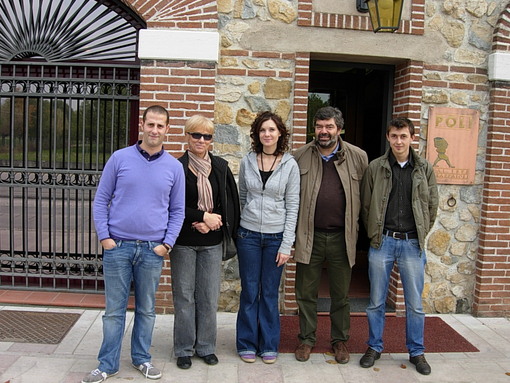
(198, 122)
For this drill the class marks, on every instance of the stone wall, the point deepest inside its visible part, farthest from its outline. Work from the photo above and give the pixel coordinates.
(492, 286)
(461, 81)
(452, 245)
(249, 81)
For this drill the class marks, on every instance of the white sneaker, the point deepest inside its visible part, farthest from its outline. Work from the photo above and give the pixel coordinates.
(148, 370)
(97, 376)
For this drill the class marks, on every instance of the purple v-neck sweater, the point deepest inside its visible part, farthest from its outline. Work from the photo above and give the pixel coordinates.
(139, 199)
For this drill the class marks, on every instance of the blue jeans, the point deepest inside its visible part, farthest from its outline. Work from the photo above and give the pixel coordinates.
(258, 319)
(129, 261)
(411, 264)
(196, 277)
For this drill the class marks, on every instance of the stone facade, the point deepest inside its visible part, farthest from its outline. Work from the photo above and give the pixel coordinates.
(441, 58)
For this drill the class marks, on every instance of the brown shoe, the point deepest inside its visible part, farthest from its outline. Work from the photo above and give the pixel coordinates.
(421, 364)
(341, 353)
(303, 351)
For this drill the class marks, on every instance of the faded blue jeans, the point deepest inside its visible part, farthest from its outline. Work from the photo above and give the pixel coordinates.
(411, 264)
(196, 277)
(129, 261)
(258, 319)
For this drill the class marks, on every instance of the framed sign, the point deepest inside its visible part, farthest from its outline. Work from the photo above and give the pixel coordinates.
(452, 144)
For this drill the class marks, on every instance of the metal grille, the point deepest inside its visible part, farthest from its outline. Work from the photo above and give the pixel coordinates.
(60, 119)
(65, 30)
(34, 326)
(58, 126)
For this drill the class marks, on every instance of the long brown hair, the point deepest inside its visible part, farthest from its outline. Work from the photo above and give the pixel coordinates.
(283, 141)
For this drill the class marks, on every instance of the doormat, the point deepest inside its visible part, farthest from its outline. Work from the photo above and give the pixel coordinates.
(34, 326)
(439, 336)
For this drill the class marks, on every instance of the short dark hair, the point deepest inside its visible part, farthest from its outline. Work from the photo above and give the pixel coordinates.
(157, 109)
(283, 140)
(328, 112)
(401, 123)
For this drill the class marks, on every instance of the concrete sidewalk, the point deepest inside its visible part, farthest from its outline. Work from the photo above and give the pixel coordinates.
(76, 355)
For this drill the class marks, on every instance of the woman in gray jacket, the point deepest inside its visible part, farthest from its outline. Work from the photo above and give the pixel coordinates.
(269, 194)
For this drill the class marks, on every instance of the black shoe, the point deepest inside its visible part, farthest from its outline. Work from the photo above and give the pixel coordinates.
(210, 359)
(421, 364)
(369, 358)
(184, 362)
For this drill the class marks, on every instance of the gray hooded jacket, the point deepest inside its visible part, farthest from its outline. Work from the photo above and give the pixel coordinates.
(273, 209)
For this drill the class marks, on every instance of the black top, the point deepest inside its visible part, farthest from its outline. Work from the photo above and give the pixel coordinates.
(399, 213)
(265, 176)
(225, 198)
(188, 235)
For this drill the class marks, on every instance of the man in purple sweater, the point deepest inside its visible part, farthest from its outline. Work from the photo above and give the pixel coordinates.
(138, 214)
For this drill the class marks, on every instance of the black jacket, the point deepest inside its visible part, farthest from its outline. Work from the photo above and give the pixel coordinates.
(229, 195)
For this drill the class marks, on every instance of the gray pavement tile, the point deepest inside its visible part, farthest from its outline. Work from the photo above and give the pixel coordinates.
(37, 369)
(259, 372)
(76, 355)
(484, 371)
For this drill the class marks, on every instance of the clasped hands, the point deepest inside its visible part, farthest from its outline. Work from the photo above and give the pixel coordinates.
(211, 221)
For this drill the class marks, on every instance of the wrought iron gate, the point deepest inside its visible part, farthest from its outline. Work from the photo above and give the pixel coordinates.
(60, 119)
(59, 125)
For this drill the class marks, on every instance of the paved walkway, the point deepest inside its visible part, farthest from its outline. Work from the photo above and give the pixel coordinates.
(70, 360)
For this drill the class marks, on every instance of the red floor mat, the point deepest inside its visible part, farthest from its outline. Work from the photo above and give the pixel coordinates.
(439, 336)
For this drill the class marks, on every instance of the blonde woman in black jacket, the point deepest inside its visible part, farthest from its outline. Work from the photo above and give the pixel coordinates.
(211, 217)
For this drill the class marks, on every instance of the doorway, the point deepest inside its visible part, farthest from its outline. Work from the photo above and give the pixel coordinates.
(364, 94)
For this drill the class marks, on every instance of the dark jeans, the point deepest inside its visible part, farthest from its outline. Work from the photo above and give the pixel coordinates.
(258, 320)
(328, 247)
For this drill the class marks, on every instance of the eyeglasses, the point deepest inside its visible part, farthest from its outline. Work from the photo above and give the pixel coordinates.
(198, 136)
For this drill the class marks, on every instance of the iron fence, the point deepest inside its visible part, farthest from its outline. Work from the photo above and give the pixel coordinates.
(59, 123)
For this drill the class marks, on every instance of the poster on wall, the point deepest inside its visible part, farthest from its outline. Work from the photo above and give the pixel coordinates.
(452, 144)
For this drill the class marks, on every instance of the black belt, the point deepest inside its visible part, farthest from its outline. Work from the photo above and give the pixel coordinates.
(398, 235)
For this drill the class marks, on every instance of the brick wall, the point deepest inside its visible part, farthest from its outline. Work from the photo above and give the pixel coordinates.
(407, 92)
(492, 288)
(501, 36)
(177, 14)
(298, 139)
(300, 102)
(184, 88)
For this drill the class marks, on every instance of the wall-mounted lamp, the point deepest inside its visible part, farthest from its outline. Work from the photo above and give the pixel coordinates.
(384, 14)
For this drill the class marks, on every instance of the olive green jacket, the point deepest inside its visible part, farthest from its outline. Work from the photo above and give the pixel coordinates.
(350, 163)
(375, 193)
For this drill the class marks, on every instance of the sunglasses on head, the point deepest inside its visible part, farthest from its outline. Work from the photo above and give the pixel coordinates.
(198, 136)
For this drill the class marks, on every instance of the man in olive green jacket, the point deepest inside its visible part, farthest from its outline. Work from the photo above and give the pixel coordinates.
(374, 201)
(327, 228)
(399, 206)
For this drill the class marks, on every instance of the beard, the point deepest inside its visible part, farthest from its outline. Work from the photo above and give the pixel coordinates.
(332, 141)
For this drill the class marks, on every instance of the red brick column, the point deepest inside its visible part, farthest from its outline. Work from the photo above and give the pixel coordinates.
(492, 287)
(298, 139)
(183, 87)
(406, 103)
